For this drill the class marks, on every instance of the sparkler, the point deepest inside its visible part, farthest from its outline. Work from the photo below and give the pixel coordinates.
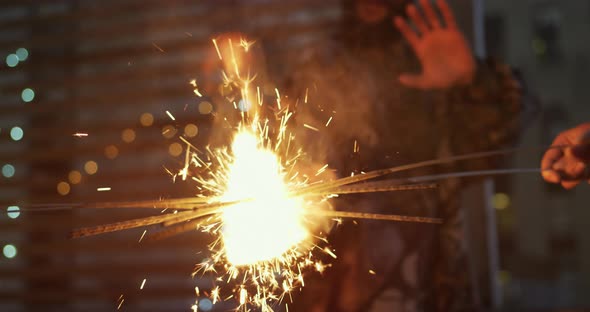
(262, 274)
(265, 214)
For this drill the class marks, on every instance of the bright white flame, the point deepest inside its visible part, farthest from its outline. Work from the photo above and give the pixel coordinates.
(270, 222)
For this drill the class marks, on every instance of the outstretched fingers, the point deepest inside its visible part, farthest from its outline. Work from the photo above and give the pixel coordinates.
(430, 14)
(447, 14)
(416, 17)
(406, 31)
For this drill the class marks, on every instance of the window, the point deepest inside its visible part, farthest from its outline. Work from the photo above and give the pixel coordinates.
(546, 41)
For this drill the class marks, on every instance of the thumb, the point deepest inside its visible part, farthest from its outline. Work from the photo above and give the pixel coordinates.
(414, 81)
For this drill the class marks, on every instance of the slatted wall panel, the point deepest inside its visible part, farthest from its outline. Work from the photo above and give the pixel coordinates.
(95, 67)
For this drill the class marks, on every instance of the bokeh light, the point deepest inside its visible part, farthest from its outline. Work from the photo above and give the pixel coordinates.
(22, 54)
(111, 152)
(8, 171)
(146, 119)
(539, 47)
(9, 251)
(205, 304)
(28, 95)
(16, 133)
(91, 167)
(13, 212)
(191, 130)
(205, 108)
(12, 60)
(501, 201)
(169, 131)
(63, 188)
(175, 149)
(75, 177)
(128, 135)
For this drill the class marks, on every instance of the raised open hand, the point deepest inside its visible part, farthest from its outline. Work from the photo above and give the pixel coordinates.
(444, 53)
(569, 165)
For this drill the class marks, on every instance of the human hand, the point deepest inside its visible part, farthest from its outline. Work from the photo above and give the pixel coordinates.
(568, 166)
(442, 50)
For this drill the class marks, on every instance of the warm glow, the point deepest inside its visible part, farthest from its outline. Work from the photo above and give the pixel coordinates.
(63, 188)
(128, 135)
(269, 224)
(205, 108)
(168, 131)
(111, 152)
(146, 119)
(91, 167)
(175, 149)
(191, 130)
(75, 177)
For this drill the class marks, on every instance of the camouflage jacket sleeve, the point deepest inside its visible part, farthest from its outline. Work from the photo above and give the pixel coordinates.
(486, 115)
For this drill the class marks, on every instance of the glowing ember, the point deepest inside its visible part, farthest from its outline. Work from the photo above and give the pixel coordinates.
(269, 224)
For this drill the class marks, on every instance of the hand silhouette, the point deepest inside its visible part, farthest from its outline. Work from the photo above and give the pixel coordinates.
(442, 50)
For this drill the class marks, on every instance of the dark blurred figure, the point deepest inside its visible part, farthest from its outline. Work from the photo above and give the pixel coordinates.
(569, 166)
(394, 102)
